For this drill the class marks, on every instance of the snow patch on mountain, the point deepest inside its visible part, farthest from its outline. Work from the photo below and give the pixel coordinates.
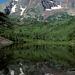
(55, 8)
(48, 9)
(13, 9)
(16, 0)
(58, 7)
(51, 1)
(23, 9)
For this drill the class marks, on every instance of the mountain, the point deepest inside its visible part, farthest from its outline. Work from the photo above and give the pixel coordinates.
(38, 8)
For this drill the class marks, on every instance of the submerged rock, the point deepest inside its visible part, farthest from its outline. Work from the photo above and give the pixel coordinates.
(71, 72)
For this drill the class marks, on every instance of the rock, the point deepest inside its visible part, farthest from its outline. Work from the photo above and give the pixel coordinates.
(47, 4)
(47, 74)
(4, 42)
(72, 43)
(70, 73)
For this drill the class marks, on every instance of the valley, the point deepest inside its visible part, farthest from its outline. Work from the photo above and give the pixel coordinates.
(37, 46)
(37, 37)
(38, 31)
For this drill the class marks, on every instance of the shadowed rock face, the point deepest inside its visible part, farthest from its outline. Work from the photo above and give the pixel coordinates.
(47, 4)
(7, 11)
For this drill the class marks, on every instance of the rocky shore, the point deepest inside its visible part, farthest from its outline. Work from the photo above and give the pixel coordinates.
(4, 42)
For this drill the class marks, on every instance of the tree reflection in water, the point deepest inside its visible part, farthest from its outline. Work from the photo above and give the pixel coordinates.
(36, 59)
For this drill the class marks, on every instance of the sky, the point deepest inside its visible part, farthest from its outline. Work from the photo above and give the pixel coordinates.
(3, 1)
(59, 0)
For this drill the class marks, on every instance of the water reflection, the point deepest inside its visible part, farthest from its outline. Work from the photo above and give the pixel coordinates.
(36, 59)
(20, 67)
(6, 57)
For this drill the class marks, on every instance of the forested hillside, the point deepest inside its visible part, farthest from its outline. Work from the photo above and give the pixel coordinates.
(5, 21)
(58, 17)
(35, 30)
(5, 24)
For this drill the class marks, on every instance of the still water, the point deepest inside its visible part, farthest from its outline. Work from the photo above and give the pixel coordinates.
(27, 59)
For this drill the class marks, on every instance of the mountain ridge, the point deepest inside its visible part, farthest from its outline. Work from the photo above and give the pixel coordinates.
(33, 8)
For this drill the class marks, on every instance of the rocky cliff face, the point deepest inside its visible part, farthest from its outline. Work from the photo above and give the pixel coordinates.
(68, 3)
(33, 8)
(47, 4)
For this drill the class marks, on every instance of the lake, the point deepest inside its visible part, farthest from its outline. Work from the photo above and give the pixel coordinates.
(31, 59)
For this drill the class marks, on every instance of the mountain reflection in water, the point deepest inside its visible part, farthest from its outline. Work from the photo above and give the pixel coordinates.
(23, 59)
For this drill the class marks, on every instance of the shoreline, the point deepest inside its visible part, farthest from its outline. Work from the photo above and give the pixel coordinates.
(4, 42)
